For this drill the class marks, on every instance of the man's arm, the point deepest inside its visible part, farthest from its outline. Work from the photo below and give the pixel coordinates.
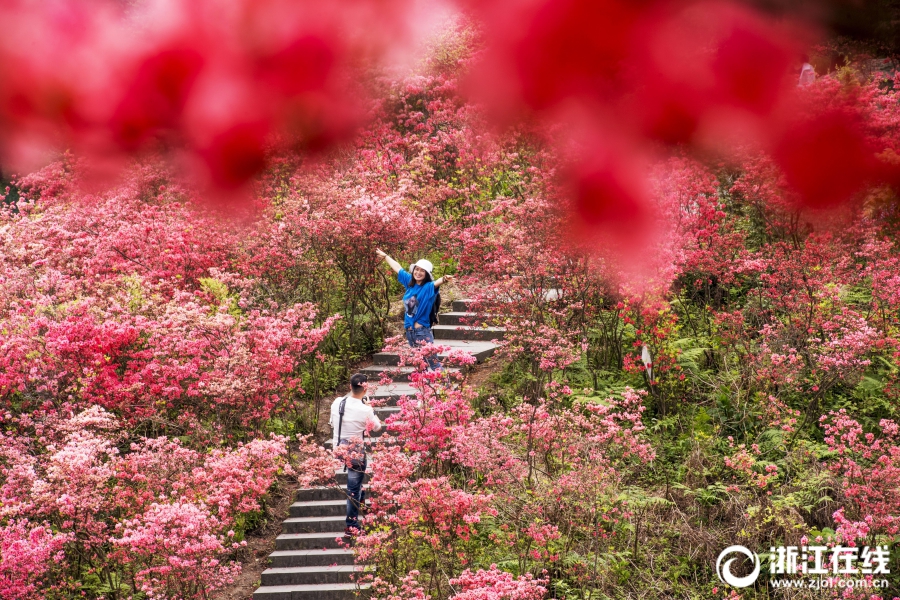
(373, 418)
(393, 263)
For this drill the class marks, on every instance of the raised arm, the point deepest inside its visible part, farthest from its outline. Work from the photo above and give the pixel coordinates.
(374, 423)
(442, 280)
(394, 264)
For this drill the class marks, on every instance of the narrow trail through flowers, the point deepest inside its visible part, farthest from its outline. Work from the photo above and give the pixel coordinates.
(312, 560)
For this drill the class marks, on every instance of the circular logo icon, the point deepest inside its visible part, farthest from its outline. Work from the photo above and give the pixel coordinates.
(724, 571)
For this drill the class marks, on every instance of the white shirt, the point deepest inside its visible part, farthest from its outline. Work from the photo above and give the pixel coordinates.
(356, 415)
(807, 74)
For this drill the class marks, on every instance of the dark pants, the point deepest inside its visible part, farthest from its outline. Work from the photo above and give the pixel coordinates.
(356, 475)
(417, 337)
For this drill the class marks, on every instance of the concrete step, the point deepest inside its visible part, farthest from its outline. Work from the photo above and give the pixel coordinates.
(383, 412)
(322, 591)
(472, 319)
(334, 524)
(311, 558)
(481, 350)
(548, 294)
(393, 391)
(325, 492)
(309, 575)
(444, 334)
(462, 305)
(459, 318)
(309, 541)
(375, 371)
(320, 508)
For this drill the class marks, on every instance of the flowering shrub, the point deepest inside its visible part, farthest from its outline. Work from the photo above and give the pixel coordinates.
(867, 466)
(532, 482)
(138, 318)
(173, 551)
(495, 584)
(665, 359)
(29, 553)
(159, 518)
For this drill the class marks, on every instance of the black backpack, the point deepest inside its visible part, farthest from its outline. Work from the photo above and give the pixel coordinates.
(435, 308)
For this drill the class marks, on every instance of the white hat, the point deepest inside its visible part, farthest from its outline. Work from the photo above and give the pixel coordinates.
(424, 264)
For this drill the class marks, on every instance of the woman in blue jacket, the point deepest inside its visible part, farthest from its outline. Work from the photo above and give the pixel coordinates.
(418, 299)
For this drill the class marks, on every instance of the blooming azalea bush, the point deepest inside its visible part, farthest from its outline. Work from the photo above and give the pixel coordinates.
(536, 483)
(498, 584)
(126, 302)
(668, 355)
(867, 466)
(84, 516)
(30, 555)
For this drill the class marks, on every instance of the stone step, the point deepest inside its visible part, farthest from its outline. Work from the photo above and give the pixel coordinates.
(462, 305)
(383, 412)
(444, 334)
(459, 318)
(472, 319)
(311, 558)
(309, 575)
(393, 391)
(403, 373)
(548, 294)
(310, 541)
(322, 591)
(320, 508)
(481, 350)
(334, 524)
(325, 492)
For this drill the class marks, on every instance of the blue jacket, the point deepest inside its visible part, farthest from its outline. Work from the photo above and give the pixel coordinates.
(417, 300)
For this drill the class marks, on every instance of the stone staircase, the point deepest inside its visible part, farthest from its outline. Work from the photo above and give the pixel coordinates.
(311, 561)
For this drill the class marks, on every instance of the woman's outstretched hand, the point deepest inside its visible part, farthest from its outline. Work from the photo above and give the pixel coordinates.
(393, 263)
(443, 280)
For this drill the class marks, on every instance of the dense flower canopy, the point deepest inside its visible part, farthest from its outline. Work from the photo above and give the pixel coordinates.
(693, 259)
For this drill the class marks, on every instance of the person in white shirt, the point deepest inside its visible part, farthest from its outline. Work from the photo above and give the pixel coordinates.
(358, 419)
(807, 72)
